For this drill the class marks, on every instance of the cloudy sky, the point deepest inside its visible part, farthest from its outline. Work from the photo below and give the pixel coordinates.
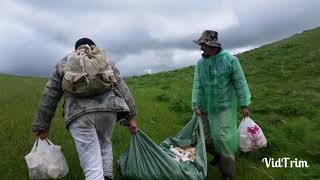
(141, 36)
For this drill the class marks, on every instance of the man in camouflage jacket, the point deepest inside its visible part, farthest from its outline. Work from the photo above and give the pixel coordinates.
(90, 120)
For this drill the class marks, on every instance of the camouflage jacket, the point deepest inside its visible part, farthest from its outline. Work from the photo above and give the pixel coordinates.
(117, 100)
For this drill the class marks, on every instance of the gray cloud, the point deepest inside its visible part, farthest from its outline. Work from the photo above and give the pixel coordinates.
(141, 36)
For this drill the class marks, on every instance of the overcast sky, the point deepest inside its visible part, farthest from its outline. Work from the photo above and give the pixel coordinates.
(142, 36)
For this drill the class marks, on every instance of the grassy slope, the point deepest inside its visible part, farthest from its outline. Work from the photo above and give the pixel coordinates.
(284, 81)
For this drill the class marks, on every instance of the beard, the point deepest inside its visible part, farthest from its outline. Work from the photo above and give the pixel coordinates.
(205, 55)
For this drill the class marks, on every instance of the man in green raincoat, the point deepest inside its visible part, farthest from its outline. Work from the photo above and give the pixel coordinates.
(219, 87)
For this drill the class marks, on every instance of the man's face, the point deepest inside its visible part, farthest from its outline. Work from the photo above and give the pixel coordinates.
(207, 50)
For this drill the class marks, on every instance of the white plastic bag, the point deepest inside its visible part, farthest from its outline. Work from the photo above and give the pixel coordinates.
(251, 136)
(45, 161)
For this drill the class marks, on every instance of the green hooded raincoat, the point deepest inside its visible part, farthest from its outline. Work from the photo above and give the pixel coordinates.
(219, 86)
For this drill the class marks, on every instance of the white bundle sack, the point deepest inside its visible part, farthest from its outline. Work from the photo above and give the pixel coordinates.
(46, 161)
(251, 136)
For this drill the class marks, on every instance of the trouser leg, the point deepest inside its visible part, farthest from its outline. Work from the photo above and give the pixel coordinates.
(226, 163)
(87, 144)
(227, 166)
(105, 123)
(208, 140)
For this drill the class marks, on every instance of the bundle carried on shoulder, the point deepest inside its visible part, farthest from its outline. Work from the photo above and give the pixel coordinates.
(88, 72)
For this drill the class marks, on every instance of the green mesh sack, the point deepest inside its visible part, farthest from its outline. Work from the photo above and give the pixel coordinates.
(143, 159)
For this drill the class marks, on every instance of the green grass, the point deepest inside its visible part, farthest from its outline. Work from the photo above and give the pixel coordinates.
(284, 78)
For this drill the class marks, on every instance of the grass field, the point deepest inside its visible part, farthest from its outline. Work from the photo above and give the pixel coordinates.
(284, 79)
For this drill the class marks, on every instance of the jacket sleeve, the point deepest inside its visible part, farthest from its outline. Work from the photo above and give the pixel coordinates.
(125, 92)
(240, 83)
(51, 96)
(197, 90)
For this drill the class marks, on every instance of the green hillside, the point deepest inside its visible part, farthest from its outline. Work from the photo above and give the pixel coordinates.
(284, 79)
